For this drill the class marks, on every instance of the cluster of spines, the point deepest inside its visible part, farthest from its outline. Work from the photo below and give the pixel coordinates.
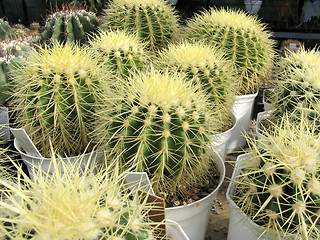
(243, 38)
(155, 22)
(279, 185)
(162, 127)
(69, 25)
(121, 51)
(6, 31)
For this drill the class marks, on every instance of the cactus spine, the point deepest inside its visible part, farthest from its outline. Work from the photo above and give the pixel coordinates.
(69, 25)
(59, 89)
(122, 52)
(243, 38)
(73, 205)
(278, 186)
(208, 66)
(155, 21)
(162, 127)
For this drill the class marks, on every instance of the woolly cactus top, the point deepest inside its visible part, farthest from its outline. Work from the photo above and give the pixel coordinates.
(139, 2)
(117, 40)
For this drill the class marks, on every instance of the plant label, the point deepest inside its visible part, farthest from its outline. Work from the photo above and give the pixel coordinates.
(4, 124)
(139, 181)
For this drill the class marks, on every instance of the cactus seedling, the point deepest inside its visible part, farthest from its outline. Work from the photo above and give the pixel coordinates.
(69, 25)
(155, 21)
(74, 205)
(278, 186)
(6, 31)
(162, 127)
(243, 38)
(121, 51)
(208, 66)
(59, 90)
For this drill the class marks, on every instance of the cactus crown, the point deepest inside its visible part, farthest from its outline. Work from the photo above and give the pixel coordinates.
(243, 38)
(155, 21)
(59, 89)
(6, 31)
(206, 65)
(279, 184)
(74, 205)
(122, 51)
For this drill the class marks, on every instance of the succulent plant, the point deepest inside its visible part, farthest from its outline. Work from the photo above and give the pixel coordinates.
(69, 25)
(121, 51)
(279, 185)
(245, 40)
(59, 88)
(6, 31)
(74, 205)
(208, 66)
(161, 126)
(155, 21)
(296, 85)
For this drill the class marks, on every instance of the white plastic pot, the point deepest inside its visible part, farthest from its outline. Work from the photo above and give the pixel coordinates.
(173, 2)
(260, 117)
(194, 217)
(242, 109)
(253, 6)
(46, 164)
(175, 231)
(220, 141)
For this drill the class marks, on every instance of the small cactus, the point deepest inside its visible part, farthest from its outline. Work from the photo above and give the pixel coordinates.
(161, 126)
(59, 88)
(208, 66)
(74, 205)
(244, 40)
(279, 185)
(122, 52)
(6, 31)
(154, 21)
(69, 25)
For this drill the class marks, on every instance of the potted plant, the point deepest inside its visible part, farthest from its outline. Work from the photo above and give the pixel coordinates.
(161, 125)
(155, 21)
(120, 51)
(274, 190)
(75, 205)
(59, 89)
(248, 43)
(210, 71)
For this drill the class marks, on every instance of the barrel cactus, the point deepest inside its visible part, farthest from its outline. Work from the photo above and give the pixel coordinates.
(122, 52)
(155, 21)
(6, 31)
(59, 88)
(279, 183)
(69, 25)
(74, 205)
(244, 39)
(208, 68)
(161, 126)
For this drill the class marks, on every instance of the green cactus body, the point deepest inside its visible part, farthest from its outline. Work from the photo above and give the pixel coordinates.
(244, 40)
(69, 25)
(6, 31)
(207, 66)
(74, 205)
(59, 89)
(297, 86)
(279, 184)
(162, 127)
(122, 52)
(155, 21)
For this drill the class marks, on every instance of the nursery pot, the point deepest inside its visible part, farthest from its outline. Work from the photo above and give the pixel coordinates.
(262, 116)
(220, 141)
(242, 109)
(194, 217)
(175, 231)
(253, 6)
(46, 165)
